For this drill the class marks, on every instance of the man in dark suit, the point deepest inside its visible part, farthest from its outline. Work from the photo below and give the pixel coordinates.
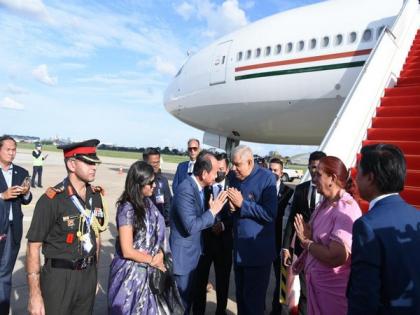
(253, 201)
(189, 217)
(14, 191)
(304, 200)
(283, 195)
(218, 246)
(185, 169)
(385, 256)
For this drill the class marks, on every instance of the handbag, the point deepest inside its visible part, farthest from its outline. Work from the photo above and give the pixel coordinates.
(160, 280)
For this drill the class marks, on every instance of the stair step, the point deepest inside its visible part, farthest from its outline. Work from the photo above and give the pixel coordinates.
(410, 72)
(400, 101)
(401, 91)
(399, 122)
(411, 195)
(408, 147)
(412, 178)
(411, 63)
(398, 111)
(411, 134)
(408, 80)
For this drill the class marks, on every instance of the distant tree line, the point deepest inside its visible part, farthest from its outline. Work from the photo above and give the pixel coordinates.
(165, 150)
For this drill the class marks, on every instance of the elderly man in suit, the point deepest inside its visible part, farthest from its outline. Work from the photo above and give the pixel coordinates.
(189, 217)
(185, 169)
(304, 200)
(14, 191)
(253, 200)
(385, 277)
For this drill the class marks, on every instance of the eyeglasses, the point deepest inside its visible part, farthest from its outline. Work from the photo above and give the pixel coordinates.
(150, 182)
(193, 149)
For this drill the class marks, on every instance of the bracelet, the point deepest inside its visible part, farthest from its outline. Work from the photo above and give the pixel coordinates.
(309, 245)
(32, 274)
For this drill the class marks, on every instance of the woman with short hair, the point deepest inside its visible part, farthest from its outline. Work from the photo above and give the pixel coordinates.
(327, 239)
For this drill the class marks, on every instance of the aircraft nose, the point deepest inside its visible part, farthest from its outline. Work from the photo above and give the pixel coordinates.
(170, 96)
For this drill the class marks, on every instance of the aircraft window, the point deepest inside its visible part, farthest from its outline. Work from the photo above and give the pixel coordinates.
(379, 31)
(268, 51)
(301, 45)
(289, 47)
(223, 59)
(338, 39)
(248, 54)
(278, 49)
(239, 56)
(312, 43)
(352, 37)
(257, 52)
(325, 41)
(367, 35)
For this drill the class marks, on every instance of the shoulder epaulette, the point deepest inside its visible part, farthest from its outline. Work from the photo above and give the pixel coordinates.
(51, 192)
(98, 189)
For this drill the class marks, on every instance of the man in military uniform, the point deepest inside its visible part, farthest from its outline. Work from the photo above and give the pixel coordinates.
(66, 223)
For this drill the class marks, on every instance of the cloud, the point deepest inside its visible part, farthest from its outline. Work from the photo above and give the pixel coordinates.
(165, 67)
(9, 103)
(185, 10)
(249, 4)
(41, 74)
(17, 90)
(29, 8)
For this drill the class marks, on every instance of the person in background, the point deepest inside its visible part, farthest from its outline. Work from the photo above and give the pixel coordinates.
(161, 196)
(14, 192)
(304, 200)
(385, 277)
(38, 161)
(326, 239)
(253, 200)
(218, 246)
(186, 168)
(139, 249)
(283, 195)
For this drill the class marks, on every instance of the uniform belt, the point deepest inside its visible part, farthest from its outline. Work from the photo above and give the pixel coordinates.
(80, 264)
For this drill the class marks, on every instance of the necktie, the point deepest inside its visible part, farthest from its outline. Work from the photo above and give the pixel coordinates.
(312, 202)
(202, 197)
(190, 168)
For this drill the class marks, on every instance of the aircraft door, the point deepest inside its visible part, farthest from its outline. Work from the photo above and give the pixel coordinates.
(219, 63)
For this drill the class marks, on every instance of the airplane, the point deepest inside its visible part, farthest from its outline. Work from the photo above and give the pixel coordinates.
(282, 79)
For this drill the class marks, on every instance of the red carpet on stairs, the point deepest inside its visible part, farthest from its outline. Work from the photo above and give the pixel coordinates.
(397, 122)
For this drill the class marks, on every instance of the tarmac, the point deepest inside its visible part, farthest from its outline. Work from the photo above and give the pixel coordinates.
(111, 176)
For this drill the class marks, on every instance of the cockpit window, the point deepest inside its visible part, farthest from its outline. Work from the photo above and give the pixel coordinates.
(179, 71)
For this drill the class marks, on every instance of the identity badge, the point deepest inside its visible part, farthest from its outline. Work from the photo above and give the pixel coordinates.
(160, 199)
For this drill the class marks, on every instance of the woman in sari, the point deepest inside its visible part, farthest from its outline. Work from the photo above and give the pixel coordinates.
(327, 239)
(139, 250)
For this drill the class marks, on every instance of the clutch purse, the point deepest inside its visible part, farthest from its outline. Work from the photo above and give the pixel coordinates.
(160, 280)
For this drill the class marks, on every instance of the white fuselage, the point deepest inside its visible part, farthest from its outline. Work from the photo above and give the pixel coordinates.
(281, 79)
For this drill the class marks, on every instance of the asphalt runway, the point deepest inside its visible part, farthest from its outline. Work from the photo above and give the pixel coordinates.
(112, 180)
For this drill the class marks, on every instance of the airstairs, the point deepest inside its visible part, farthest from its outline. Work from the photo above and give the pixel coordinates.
(384, 103)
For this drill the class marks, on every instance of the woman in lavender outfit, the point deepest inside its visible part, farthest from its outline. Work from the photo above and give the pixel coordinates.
(139, 250)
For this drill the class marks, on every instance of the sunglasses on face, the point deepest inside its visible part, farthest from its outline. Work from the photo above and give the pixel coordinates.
(192, 149)
(150, 182)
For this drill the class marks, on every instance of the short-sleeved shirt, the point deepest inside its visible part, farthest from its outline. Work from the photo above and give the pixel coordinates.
(56, 221)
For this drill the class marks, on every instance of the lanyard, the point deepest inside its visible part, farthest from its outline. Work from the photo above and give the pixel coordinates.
(82, 211)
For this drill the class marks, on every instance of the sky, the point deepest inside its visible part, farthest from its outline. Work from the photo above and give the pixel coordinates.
(98, 69)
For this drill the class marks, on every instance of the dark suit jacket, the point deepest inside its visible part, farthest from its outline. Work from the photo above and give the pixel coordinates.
(254, 223)
(188, 219)
(18, 177)
(385, 262)
(283, 197)
(180, 174)
(299, 205)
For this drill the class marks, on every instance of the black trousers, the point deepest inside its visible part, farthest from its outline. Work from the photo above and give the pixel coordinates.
(218, 251)
(68, 292)
(37, 170)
